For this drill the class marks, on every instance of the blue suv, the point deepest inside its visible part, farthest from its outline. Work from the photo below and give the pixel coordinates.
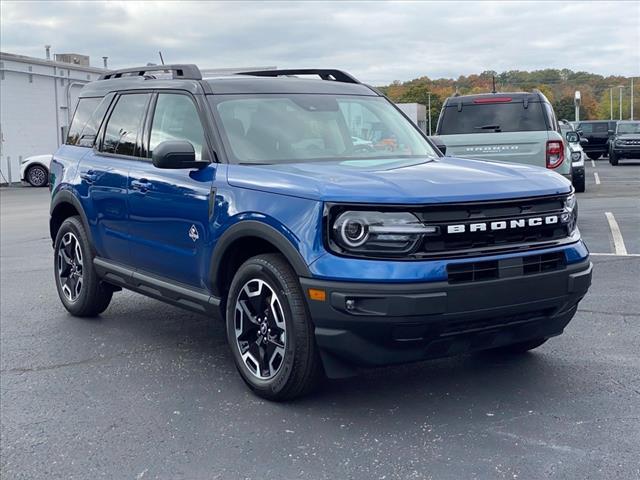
(311, 215)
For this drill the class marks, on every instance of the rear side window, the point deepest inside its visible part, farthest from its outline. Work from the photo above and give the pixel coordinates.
(491, 118)
(600, 127)
(124, 126)
(176, 118)
(86, 121)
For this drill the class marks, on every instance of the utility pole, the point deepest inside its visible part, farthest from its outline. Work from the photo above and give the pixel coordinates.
(429, 108)
(620, 87)
(611, 103)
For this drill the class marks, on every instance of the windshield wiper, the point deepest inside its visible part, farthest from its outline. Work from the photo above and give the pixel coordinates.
(489, 127)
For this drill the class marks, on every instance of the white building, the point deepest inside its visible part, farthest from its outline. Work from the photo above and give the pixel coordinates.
(416, 112)
(37, 98)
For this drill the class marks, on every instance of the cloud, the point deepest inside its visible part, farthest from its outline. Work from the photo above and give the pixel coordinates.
(377, 41)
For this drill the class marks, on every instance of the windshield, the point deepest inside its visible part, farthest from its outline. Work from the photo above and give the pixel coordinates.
(491, 118)
(274, 128)
(629, 127)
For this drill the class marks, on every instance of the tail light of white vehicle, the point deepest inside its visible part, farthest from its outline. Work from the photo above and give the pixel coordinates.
(555, 153)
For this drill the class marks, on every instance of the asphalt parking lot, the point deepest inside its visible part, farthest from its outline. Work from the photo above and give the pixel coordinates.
(150, 391)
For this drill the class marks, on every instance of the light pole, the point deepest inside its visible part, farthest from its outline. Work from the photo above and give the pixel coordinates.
(429, 109)
(620, 87)
(631, 98)
(611, 103)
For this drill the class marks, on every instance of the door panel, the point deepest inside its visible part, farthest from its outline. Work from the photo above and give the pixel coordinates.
(169, 221)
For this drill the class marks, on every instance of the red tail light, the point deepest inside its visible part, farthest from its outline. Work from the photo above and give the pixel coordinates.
(555, 153)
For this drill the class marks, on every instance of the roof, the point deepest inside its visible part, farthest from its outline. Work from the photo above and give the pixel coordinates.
(188, 77)
(534, 96)
(49, 63)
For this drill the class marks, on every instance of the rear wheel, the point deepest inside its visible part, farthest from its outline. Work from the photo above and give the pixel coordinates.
(269, 330)
(521, 347)
(37, 176)
(79, 288)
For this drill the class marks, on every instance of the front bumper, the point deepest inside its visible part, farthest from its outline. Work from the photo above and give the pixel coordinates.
(627, 152)
(373, 324)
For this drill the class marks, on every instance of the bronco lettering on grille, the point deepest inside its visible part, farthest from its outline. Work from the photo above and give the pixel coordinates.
(503, 224)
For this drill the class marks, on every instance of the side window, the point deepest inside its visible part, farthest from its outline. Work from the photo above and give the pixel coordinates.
(125, 124)
(84, 112)
(553, 124)
(601, 127)
(176, 118)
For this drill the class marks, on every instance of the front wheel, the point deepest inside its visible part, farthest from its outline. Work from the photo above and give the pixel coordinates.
(79, 288)
(594, 155)
(579, 184)
(613, 158)
(37, 176)
(269, 330)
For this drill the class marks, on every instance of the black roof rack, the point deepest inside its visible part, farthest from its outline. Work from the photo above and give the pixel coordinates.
(324, 74)
(182, 72)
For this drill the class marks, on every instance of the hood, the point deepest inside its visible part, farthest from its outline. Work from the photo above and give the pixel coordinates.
(400, 181)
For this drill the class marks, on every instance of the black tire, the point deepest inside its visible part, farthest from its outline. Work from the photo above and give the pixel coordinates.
(92, 297)
(37, 176)
(522, 347)
(299, 369)
(578, 184)
(594, 155)
(613, 158)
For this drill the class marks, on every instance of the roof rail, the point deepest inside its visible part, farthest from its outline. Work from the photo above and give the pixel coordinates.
(324, 74)
(182, 72)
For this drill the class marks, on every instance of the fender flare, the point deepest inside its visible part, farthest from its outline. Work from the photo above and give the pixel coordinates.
(65, 196)
(254, 228)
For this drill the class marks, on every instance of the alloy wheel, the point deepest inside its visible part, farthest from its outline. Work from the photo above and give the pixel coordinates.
(70, 267)
(260, 329)
(37, 176)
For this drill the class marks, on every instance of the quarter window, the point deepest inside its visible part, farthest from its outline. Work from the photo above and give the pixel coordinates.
(125, 124)
(85, 114)
(176, 118)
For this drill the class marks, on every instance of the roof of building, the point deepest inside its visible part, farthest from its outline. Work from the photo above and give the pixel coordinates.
(50, 63)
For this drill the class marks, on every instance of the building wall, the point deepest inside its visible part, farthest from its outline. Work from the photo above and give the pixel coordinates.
(416, 112)
(37, 99)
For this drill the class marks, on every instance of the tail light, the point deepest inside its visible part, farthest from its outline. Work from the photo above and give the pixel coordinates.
(555, 153)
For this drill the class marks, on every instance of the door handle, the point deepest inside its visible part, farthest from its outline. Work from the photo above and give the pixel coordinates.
(142, 185)
(89, 176)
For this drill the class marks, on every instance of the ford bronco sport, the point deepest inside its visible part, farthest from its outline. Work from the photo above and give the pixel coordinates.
(509, 127)
(245, 196)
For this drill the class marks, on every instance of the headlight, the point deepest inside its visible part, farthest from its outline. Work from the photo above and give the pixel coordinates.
(576, 156)
(371, 232)
(570, 213)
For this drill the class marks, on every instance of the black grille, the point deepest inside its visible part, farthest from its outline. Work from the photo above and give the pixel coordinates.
(445, 243)
(512, 267)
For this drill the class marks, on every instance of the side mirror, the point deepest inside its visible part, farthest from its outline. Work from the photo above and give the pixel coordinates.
(611, 132)
(175, 154)
(439, 145)
(572, 137)
(584, 141)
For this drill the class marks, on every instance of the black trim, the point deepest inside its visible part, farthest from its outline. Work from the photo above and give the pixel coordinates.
(324, 74)
(164, 289)
(65, 196)
(253, 228)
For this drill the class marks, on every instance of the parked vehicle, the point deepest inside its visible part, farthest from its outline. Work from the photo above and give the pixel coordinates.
(35, 170)
(625, 142)
(509, 127)
(575, 153)
(245, 197)
(598, 132)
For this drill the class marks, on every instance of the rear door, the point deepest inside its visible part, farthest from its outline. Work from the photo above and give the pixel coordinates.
(496, 129)
(170, 209)
(103, 175)
(598, 135)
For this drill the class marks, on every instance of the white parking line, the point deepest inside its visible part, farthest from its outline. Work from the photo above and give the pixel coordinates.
(618, 241)
(597, 177)
(593, 163)
(614, 254)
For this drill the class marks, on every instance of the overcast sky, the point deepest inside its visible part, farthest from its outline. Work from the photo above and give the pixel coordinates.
(378, 42)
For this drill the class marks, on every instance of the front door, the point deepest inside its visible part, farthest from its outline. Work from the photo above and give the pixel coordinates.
(169, 209)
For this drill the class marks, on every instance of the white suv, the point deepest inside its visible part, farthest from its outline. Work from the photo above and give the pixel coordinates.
(35, 170)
